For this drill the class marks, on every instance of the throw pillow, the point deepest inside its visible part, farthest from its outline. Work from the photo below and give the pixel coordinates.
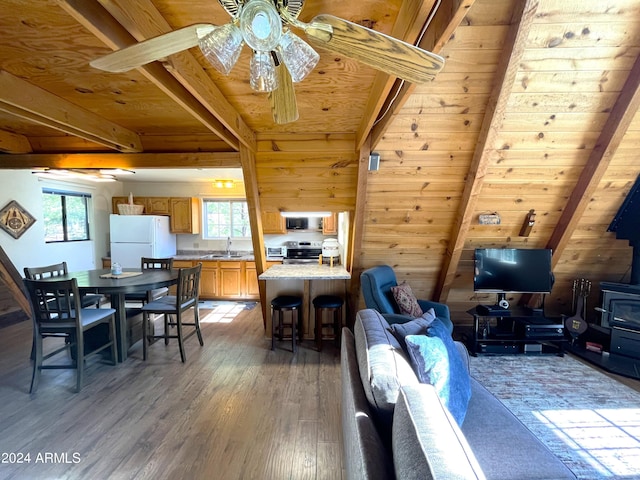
(417, 326)
(406, 300)
(436, 360)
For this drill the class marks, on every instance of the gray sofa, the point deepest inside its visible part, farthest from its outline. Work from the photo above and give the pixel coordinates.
(395, 427)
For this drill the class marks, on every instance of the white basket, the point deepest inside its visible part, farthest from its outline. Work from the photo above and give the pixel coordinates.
(126, 209)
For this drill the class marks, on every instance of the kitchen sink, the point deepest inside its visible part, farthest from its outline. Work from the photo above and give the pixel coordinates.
(213, 256)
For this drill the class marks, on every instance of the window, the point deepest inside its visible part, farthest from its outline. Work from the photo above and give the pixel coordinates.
(66, 216)
(226, 218)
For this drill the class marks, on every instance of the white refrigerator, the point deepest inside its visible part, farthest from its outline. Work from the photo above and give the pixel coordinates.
(137, 236)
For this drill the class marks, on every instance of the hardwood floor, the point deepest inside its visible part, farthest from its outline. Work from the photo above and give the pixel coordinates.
(235, 410)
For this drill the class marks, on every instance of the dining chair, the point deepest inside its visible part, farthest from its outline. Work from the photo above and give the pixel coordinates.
(147, 263)
(54, 315)
(171, 306)
(58, 270)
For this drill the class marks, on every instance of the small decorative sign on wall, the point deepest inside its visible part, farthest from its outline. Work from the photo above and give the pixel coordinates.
(15, 220)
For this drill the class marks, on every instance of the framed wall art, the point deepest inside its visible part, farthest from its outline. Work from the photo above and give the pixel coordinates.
(15, 220)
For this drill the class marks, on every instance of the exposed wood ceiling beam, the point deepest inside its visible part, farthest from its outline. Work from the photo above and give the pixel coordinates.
(448, 17)
(32, 103)
(522, 19)
(622, 113)
(100, 22)
(122, 160)
(14, 143)
(411, 18)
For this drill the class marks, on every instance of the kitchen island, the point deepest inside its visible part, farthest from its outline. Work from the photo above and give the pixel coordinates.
(307, 281)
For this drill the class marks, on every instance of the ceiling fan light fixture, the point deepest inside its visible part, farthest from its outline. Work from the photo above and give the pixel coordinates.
(261, 25)
(263, 72)
(298, 56)
(222, 47)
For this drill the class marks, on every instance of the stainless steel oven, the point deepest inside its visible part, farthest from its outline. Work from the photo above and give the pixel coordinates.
(302, 252)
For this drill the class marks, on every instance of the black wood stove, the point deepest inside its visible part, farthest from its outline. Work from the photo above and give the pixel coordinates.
(620, 305)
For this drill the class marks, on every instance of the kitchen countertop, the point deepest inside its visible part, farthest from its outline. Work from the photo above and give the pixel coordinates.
(214, 256)
(306, 272)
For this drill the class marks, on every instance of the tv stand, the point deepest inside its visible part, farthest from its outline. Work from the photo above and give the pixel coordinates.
(497, 330)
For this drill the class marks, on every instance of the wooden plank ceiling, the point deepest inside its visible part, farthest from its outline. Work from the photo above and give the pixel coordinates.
(536, 108)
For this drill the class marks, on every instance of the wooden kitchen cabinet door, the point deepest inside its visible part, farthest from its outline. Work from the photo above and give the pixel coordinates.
(273, 222)
(251, 281)
(157, 206)
(231, 280)
(185, 214)
(330, 225)
(209, 280)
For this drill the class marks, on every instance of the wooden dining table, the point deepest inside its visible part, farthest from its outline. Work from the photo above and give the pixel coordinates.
(131, 280)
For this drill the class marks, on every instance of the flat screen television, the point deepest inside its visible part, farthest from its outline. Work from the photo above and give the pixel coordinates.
(513, 270)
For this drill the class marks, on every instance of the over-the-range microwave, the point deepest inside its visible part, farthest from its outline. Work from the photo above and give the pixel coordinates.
(297, 223)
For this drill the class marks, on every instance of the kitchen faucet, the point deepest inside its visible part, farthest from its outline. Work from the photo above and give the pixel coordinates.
(228, 246)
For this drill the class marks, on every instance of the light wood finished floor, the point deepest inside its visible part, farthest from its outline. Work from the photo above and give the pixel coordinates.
(235, 410)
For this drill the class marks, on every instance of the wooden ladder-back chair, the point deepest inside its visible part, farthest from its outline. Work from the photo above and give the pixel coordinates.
(54, 315)
(147, 263)
(58, 270)
(186, 298)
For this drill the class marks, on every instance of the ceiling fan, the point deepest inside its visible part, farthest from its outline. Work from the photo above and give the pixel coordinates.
(280, 58)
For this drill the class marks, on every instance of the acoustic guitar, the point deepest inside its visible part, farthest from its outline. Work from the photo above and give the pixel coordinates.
(575, 324)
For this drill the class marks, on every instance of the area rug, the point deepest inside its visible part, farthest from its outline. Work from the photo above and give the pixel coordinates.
(586, 418)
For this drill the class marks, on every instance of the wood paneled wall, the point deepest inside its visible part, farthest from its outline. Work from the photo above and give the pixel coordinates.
(307, 172)
(554, 115)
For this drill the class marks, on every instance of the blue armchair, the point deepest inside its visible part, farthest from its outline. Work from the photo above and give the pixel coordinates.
(376, 283)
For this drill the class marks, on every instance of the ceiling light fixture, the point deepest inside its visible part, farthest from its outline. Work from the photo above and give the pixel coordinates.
(224, 183)
(258, 24)
(74, 174)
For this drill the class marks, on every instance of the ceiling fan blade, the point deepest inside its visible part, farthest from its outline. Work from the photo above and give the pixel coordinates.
(153, 49)
(283, 98)
(375, 49)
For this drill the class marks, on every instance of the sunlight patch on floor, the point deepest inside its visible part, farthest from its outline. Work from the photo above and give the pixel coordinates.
(224, 313)
(609, 439)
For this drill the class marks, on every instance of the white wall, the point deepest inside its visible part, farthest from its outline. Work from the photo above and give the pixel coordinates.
(30, 249)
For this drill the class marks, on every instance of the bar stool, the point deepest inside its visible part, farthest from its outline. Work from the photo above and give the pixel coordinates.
(279, 305)
(327, 303)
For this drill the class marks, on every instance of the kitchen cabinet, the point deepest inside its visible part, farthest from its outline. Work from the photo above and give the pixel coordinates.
(232, 279)
(185, 214)
(330, 225)
(251, 280)
(208, 279)
(152, 205)
(273, 222)
(156, 206)
(226, 279)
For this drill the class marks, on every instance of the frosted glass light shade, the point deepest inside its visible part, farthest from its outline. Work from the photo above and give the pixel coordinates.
(297, 55)
(222, 47)
(261, 25)
(263, 72)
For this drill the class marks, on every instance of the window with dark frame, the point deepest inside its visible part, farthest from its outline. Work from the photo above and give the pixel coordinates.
(66, 216)
(226, 218)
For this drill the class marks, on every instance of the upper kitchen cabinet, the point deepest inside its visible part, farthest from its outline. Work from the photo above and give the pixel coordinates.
(152, 205)
(157, 206)
(185, 214)
(330, 225)
(273, 222)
